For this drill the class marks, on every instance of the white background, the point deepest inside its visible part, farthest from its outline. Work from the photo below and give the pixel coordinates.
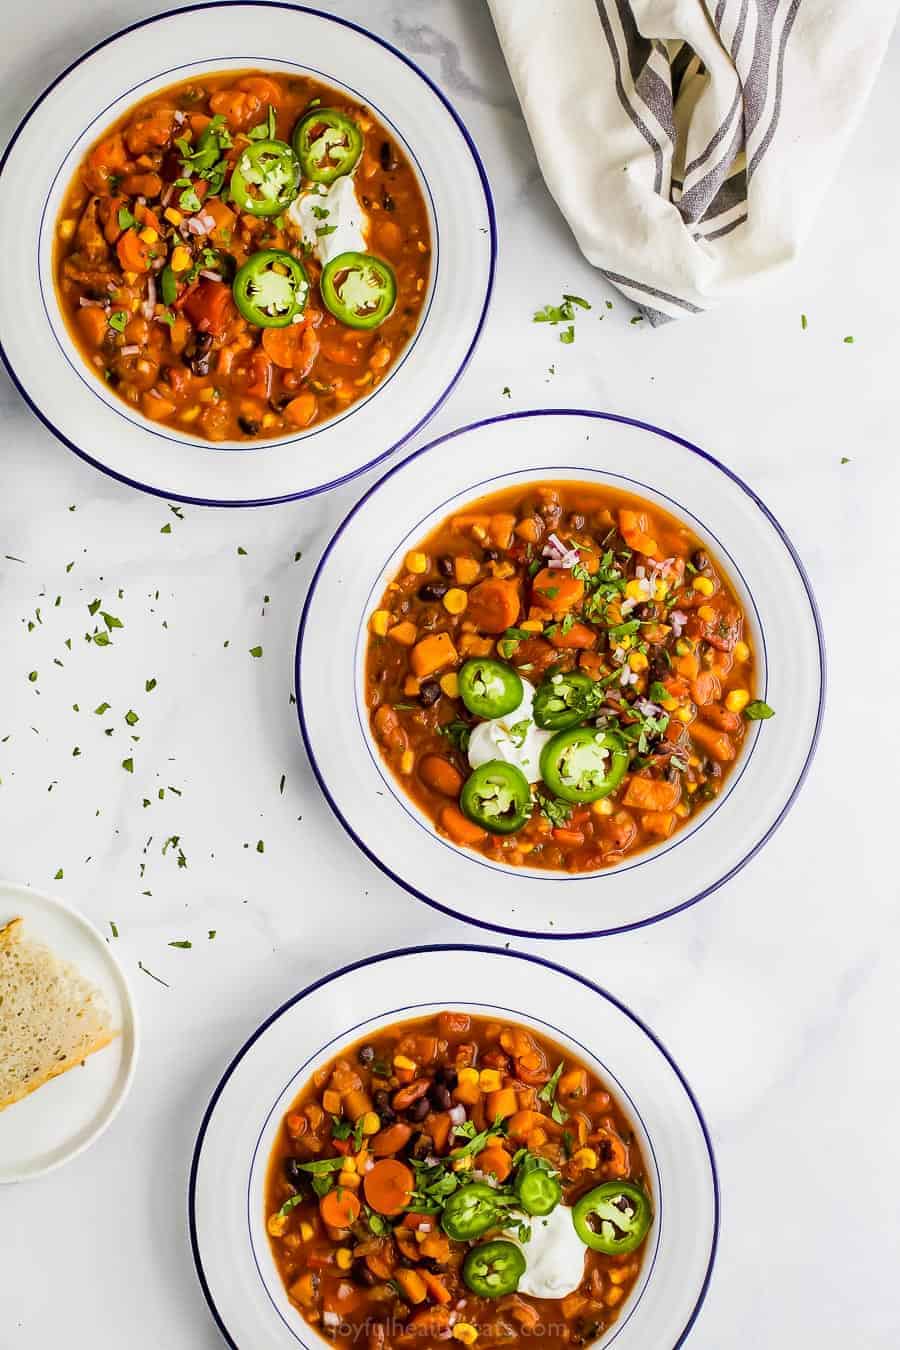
(778, 996)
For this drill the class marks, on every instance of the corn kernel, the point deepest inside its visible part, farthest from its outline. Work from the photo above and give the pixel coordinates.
(737, 700)
(465, 1332)
(402, 1062)
(463, 1164)
(682, 810)
(190, 414)
(277, 1224)
(207, 395)
(741, 651)
(614, 1296)
(450, 684)
(660, 590)
(586, 1159)
(343, 1258)
(148, 234)
(181, 259)
(707, 613)
(602, 808)
(692, 787)
(489, 1080)
(532, 625)
(685, 714)
(636, 589)
(129, 278)
(306, 1230)
(349, 1180)
(703, 585)
(66, 229)
(380, 622)
(638, 661)
(407, 760)
(411, 686)
(371, 1123)
(455, 600)
(269, 420)
(416, 562)
(172, 216)
(348, 1164)
(468, 1076)
(619, 1274)
(626, 641)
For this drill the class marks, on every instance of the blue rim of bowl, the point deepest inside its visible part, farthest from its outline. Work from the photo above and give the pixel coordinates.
(760, 843)
(492, 223)
(449, 947)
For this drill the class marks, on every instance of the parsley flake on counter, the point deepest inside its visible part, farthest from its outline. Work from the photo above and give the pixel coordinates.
(849, 339)
(260, 846)
(242, 552)
(167, 528)
(211, 934)
(131, 717)
(506, 392)
(844, 459)
(183, 943)
(58, 876)
(256, 651)
(101, 708)
(758, 711)
(142, 967)
(128, 765)
(113, 929)
(32, 676)
(804, 324)
(149, 686)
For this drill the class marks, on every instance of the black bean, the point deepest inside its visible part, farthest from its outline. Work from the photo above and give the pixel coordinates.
(429, 693)
(491, 555)
(447, 1076)
(700, 560)
(384, 154)
(362, 1274)
(433, 590)
(366, 1054)
(387, 202)
(446, 566)
(294, 1175)
(420, 1109)
(248, 426)
(440, 1096)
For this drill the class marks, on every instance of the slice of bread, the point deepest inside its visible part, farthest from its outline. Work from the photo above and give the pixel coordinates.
(51, 1018)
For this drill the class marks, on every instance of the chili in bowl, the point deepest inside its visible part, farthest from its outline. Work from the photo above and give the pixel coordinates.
(565, 672)
(252, 253)
(515, 1160)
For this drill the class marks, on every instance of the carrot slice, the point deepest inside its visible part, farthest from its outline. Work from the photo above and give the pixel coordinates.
(494, 605)
(388, 1186)
(557, 590)
(339, 1208)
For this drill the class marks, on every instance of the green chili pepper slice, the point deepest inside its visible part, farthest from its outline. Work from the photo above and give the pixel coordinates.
(497, 797)
(470, 1211)
(565, 699)
(583, 764)
(489, 688)
(613, 1219)
(537, 1186)
(359, 289)
(266, 178)
(494, 1269)
(271, 289)
(168, 286)
(328, 144)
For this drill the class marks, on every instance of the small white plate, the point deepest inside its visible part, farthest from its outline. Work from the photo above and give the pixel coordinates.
(411, 500)
(65, 1116)
(227, 1183)
(118, 74)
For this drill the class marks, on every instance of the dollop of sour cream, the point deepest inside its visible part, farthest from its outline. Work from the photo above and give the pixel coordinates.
(554, 1255)
(330, 219)
(514, 738)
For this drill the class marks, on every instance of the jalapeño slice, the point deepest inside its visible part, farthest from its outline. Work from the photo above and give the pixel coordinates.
(271, 288)
(494, 1268)
(497, 797)
(470, 1211)
(359, 289)
(489, 688)
(565, 699)
(328, 144)
(583, 764)
(266, 178)
(613, 1219)
(537, 1186)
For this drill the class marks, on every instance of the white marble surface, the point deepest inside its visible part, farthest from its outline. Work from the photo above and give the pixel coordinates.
(778, 996)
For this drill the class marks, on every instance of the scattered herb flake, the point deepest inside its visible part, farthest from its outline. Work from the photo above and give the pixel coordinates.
(256, 651)
(128, 765)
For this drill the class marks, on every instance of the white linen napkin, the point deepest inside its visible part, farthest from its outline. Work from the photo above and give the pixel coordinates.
(689, 142)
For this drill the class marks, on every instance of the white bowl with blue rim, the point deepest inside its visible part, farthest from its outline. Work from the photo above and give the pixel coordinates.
(227, 1185)
(409, 502)
(128, 68)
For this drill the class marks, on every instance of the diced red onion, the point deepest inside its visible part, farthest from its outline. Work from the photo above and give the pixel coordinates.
(131, 350)
(457, 1113)
(91, 304)
(197, 226)
(648, 709)
(330, 1319)
(678, 621)
(167, 194)
(179, 117)
(149, 305)
(209, 274)
(154, 393)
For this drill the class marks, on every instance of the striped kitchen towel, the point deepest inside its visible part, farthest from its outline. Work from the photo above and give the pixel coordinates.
(689, 142)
